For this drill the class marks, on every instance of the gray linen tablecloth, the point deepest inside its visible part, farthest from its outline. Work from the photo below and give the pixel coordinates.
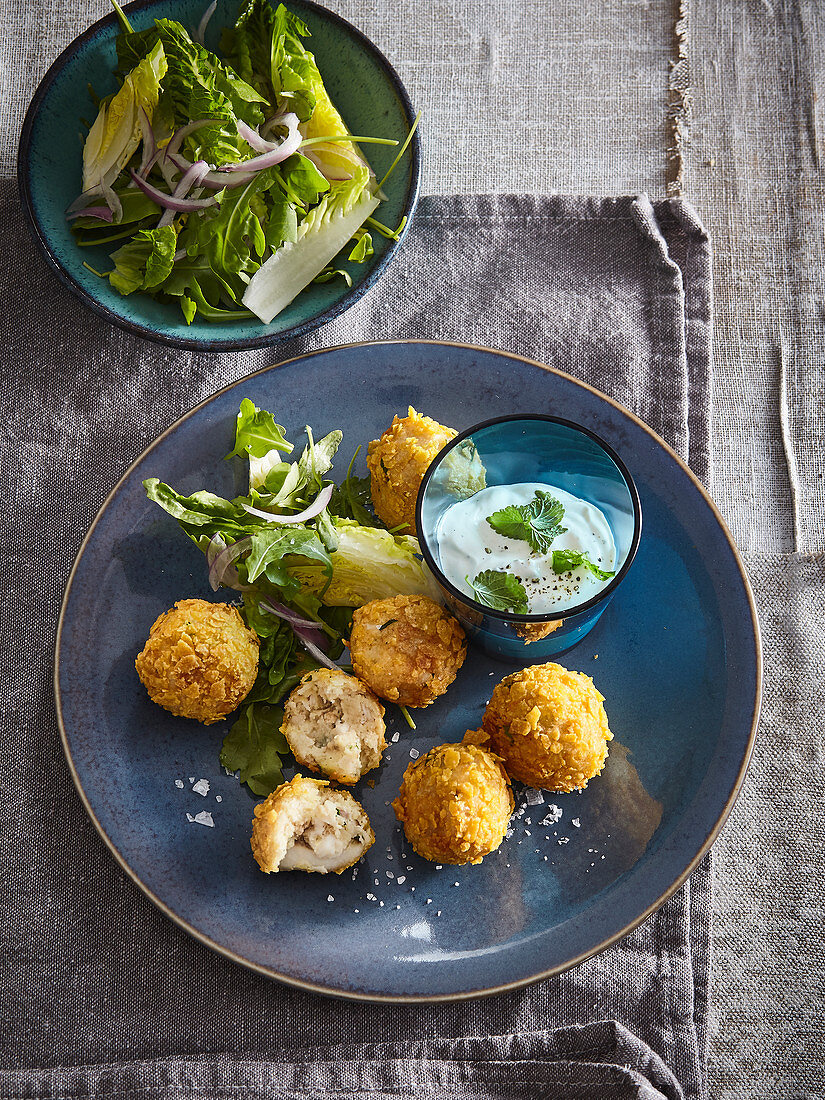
(522, 96)
(112, 992)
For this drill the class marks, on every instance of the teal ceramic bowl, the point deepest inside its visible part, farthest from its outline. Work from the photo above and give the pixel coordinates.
(362, 84)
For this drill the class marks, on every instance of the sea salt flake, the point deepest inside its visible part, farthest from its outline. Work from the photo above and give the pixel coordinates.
(191, 779)
(203, 818)
(438, 866)
(179, 783)
(201, 787)
(218, 798)
(401, 879)
(563, 840)
(577, 823)
(552, 816)
(389, 874)
(395, 736)
(534, 796)
(414, 754)
(371, 897)
(330, 897)
(381, 904)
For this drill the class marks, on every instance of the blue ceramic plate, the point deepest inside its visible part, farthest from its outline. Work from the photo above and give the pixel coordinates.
(676, 655)
(362, 84)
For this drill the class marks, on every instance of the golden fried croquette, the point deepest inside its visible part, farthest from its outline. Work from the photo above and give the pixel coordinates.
(305, 825)
(408, 649)
(335, 725)
(549, 727)
(455, 804)
(534, 632)
(398, 461)
(200, 660)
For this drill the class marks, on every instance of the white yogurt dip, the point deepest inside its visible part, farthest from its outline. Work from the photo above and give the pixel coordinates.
(467, 545)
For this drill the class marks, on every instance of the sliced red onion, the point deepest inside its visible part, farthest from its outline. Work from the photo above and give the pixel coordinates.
(253, 139)
(216, 544)
(169, 202)
(211, 179)
(308, 632)
(312, 648)
(314, 509)
(200, 33)
(222, 570)
(102, 212)
(112, 201)
(188, 180)
(83, 198)
(275, 155)
(283, 612)
(177, 139)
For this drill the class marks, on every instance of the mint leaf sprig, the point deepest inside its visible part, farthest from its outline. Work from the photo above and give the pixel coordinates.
(499, 590)
(565, 560)
(537, 523)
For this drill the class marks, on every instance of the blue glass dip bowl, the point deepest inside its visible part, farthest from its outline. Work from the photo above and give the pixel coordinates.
(529, 448)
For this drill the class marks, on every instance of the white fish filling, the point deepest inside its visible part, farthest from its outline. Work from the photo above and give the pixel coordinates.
(309, 827)
(333, 724)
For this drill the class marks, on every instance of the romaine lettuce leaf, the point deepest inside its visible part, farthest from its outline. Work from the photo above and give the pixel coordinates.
(369, 564)
(199, 86)
(116, 132)
(321, 236)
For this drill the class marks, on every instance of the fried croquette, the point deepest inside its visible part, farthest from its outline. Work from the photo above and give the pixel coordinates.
(549, 727)
(534, 632)
(304, 825)
(398, 461)
(407, 649)
(455, 804)
(335, 725)
(200, 660)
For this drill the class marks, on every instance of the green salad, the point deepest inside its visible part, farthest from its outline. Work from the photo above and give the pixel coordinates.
(304, 552)
(230, 183)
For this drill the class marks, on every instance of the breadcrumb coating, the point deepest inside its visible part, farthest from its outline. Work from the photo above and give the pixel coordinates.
(534, 632)
(455, 804)
(305, 825)
(549, 727)
(398, 461)
(408, 649)
(200, 660)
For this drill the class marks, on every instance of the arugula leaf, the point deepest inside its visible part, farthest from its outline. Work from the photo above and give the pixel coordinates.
(352, 499)
(146, 261)
(330, 273)
(271, 544)
(256, 748)
(537, 523)
(316, 459)
(499, 590)
(256, 432)
(362, 249)
(565, 560)
(200, 514)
